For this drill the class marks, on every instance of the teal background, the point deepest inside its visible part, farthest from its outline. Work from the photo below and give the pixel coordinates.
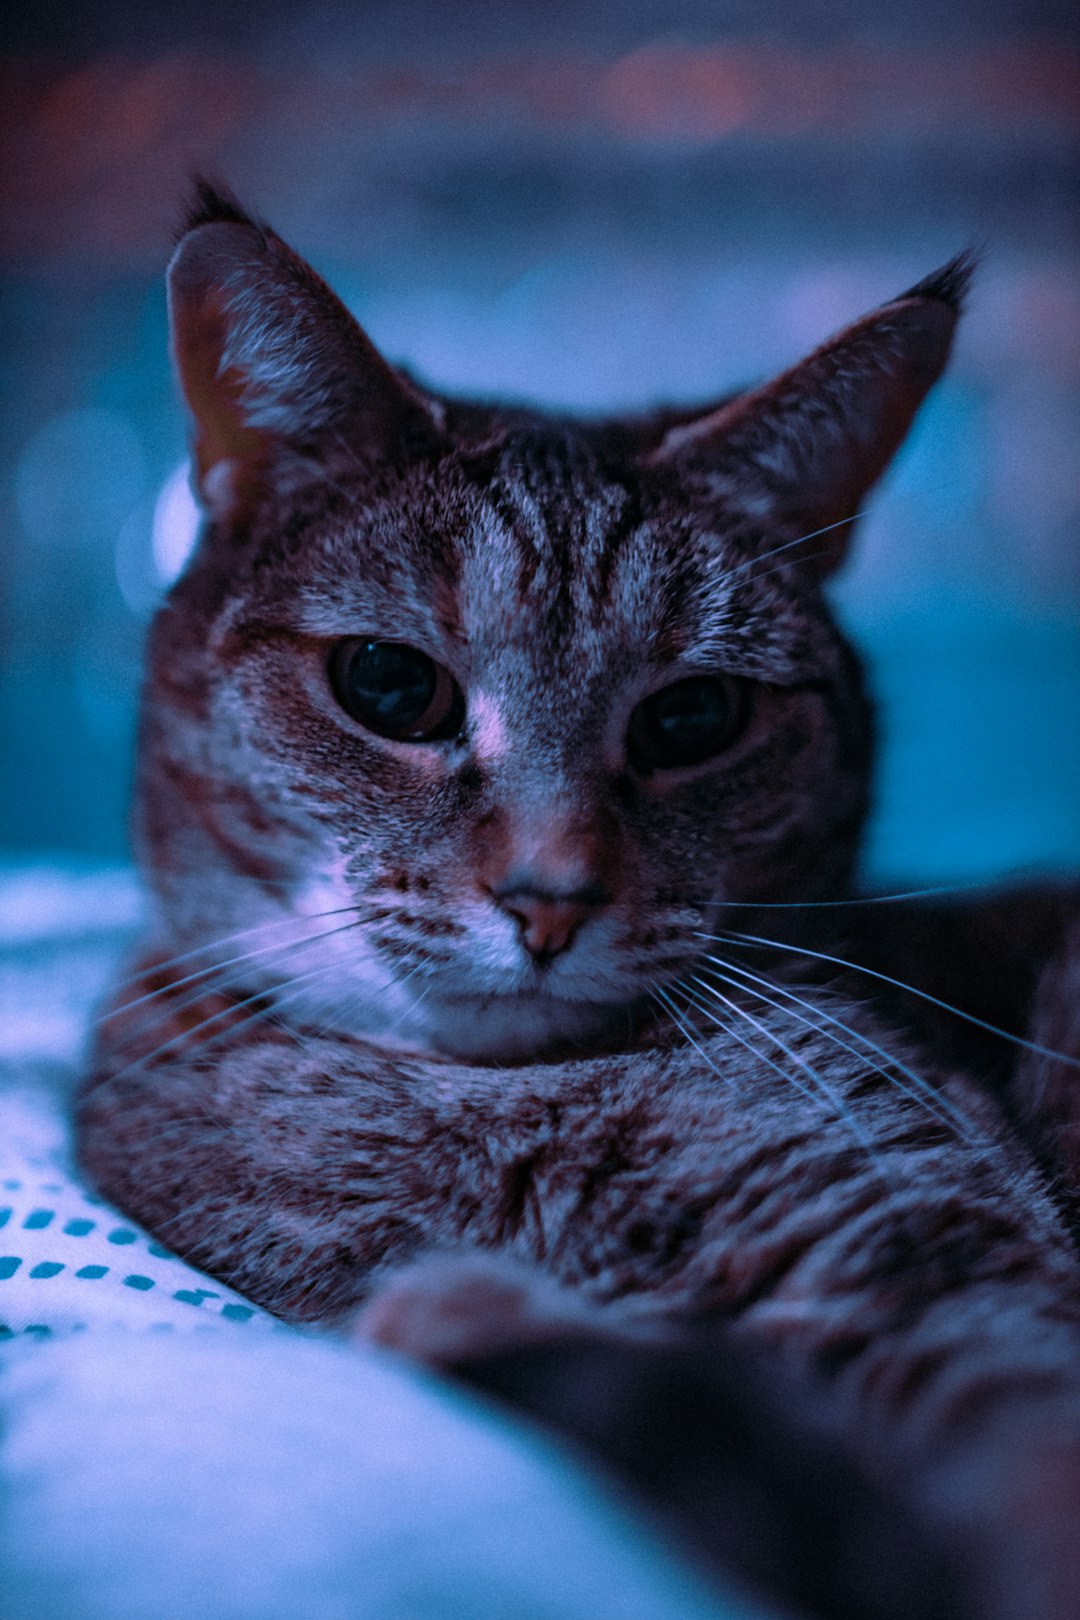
(598, 207)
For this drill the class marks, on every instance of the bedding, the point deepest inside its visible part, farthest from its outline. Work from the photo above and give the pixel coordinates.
(170, 1452)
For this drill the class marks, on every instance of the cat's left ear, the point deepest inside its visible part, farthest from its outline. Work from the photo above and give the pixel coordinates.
(276, 372)
(810, 443)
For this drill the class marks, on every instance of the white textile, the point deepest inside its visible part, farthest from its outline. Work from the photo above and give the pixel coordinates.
(169, 1452)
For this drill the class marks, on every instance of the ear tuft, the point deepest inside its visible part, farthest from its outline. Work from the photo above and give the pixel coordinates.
(809, 444)
(950, 284)
(212, 203)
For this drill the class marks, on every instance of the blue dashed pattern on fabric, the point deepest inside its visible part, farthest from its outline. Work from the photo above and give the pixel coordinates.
(68, 1261)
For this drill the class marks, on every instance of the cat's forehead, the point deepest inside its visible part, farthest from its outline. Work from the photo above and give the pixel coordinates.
(556, 544)
(536, 547)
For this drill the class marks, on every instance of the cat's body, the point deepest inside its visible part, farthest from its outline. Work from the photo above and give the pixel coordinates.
(469, 735)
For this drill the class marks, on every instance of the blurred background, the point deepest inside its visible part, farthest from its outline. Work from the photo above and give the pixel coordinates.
(598, 206)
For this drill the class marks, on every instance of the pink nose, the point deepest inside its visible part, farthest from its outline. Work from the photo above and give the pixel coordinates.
(549, 922)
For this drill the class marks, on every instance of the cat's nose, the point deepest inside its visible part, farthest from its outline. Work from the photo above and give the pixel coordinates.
(549, 922)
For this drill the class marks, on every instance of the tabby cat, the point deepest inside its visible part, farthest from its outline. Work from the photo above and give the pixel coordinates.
(481, 751)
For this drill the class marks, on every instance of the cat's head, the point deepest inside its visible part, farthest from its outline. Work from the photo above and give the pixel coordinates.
(535, 696)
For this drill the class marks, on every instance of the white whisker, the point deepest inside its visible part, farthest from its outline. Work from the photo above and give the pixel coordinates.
(734, 937)
(853, 900)
(216, 972)
(919, 1089)
(826, 1092)
(763, 1057)
(163, 965)
(281, 993)
(813, 534)
(665, 1000)
(789, 545)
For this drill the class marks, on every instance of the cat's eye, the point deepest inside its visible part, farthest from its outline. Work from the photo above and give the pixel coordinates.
(396, 691)
(687, 723)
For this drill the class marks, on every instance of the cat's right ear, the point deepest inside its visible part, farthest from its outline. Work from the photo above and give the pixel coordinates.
(808, 445)
(275, 370)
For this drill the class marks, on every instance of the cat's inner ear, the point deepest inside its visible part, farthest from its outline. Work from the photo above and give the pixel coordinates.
(809, 444)
(274, 368)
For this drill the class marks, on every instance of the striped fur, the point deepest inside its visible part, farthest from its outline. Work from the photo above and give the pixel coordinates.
(337, 1053)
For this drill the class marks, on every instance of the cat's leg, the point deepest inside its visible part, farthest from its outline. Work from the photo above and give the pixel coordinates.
(289, 1165)
(752, 1462)
(459, 1305)
(735, 1457)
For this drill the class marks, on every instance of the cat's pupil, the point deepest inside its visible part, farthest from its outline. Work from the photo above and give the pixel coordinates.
(686, 723)
(394, 690)
(395, 684)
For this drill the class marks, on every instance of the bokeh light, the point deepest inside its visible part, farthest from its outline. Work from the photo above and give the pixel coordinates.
(594, 208)
(176, 524)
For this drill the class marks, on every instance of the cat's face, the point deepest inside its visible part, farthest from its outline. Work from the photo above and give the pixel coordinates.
(536, 699)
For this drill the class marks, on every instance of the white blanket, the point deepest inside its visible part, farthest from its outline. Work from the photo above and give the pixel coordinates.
(169, 1452)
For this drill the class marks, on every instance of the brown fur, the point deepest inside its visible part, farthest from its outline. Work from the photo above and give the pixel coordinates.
(464, 995)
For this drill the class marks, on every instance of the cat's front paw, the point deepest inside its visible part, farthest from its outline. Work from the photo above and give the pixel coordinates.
(448, 1308)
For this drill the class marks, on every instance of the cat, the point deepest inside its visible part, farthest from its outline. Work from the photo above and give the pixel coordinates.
(481, 750)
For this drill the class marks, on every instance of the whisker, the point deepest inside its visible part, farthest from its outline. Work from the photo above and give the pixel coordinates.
(780, 567)
(925, 1092)
(665, 1000)
(763, 1057)
(167, 962)
(828, 1103)
(920, 1091)
(354, 460)
(826, 1092)
(667, 1003)
(186, 1035)
(827, 528)
(270, 991)
(417, 999)
(354, 1004)
(260, 1014)
(734, 937)
(788, 545)
(216, 970)
(854, 900)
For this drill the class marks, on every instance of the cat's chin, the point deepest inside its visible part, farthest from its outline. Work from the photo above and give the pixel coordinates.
(517, 1028)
